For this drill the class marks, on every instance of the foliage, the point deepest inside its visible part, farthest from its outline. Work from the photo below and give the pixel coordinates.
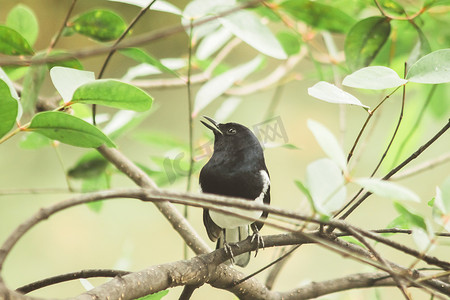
(388, 47)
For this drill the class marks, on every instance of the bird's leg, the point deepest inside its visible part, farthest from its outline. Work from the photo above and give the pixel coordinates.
(257, 237)
(227, 248)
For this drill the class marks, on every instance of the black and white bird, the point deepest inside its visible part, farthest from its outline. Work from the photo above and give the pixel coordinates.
(237, 169)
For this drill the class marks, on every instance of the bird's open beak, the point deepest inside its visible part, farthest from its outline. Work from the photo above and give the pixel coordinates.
(214, 128)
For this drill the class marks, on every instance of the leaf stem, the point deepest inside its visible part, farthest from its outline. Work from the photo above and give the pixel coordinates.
(350, 154)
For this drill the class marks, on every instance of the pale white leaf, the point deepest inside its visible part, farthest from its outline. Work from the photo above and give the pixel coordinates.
(248, 27)
(422, 239)
(325, 183)
(147, 69)
(86, 284)
(199, 9)
(219, 84)
(213, 42)
(374, 78)
(67, 80)
(433, 68)
(159, 5)
(330, 93)
(119, 119)
(328, 143)
(387, 189)
(226, 109)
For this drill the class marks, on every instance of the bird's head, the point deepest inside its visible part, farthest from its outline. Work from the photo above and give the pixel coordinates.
(231, 137)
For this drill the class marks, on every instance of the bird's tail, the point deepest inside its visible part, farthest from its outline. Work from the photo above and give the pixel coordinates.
(235, 235)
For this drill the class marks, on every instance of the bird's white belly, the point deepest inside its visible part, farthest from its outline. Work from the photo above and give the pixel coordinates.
(229, 221)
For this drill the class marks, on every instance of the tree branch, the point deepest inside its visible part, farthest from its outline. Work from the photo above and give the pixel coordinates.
(175, 218)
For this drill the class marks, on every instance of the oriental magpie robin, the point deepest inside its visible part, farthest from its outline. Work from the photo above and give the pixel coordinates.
(237, 169)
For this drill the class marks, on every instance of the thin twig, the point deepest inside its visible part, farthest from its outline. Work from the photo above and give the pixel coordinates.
(70, 276)
(438, 161)
(114, 49)
(400, 118)
(399, 167)
(190, 129)
(350, 154)
(60, 31)
(378, 257)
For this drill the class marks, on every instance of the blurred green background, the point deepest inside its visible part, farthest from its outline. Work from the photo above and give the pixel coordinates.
(131, 235)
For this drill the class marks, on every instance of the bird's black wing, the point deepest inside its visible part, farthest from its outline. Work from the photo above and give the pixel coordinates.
(211, 228)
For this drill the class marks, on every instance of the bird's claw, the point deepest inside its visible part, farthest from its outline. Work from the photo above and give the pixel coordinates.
(259, 241)
(229, 252)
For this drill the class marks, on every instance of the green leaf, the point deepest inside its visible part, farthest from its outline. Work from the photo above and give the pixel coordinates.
(100, 25)
(328, 143)
(289, 41)
(8, 109)
(413, 220)
(433, 68)
(87, 185)
(387, 189)
(96, 183)
(33, 140)
(68, 80)
(392, 6)
(365, 40)
(156, 296)
(325, 183)
(374, 78)
(32, 84)
(113, 93)
(290, 147)
(14, 72)
(68, 129)
(140, 55)
(319, 15)
(352, 240)
(330, 93)
(248, 27)
(219, 84)
(431, 3)
(12, 43)
(399, 223)
(22, 19)
(72, 63)
(90, 165)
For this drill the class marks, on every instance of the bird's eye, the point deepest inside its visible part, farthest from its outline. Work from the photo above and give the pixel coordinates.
(231, 131)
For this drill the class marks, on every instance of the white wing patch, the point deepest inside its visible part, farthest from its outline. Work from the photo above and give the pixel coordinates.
(228, 221)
